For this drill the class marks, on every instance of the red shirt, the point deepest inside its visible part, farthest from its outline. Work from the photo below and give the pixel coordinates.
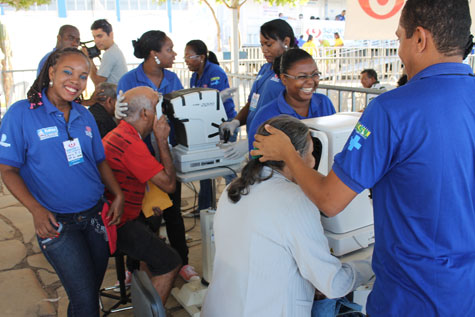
(132, 165)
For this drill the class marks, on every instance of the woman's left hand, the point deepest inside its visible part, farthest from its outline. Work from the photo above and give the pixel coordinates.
(115, 210)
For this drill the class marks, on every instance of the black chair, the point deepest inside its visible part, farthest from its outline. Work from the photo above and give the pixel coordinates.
(147, 302)
(123, 298)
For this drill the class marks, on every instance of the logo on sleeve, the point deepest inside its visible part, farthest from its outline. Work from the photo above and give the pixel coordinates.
(362, 130)
(3, 139)
(214, 80)
(88, 131)
(354, 143)
(47, 133)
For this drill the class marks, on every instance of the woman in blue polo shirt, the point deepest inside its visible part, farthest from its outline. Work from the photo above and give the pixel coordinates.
(156, 48)
(207, 74)
(300, 76)
(276, 37)
(53, 162)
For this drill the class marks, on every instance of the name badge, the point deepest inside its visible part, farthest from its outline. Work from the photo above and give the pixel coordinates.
(254, 100)
(47, 133)
(73, 151)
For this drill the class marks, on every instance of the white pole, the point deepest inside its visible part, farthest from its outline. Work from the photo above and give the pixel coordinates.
(235, 42)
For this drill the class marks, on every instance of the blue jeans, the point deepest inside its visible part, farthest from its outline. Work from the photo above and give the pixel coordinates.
(79, 256)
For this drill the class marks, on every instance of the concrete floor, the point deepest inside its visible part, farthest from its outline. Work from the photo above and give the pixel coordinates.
(29, 285)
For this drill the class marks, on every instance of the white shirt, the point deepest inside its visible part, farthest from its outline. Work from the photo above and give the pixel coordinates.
(271, 253)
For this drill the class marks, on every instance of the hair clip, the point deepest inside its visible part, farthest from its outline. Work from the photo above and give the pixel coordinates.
(255, 156)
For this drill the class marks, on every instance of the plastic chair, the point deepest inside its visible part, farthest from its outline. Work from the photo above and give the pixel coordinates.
(147, 302)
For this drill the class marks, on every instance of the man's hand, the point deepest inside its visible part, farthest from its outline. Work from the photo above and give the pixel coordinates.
(120, 106)
(115, 210)
(274, 147)
(161, 129)
(44, 221)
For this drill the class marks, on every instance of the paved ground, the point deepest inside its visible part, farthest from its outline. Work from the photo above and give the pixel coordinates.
(29, 285)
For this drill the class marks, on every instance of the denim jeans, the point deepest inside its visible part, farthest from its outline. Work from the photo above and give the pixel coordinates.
(79, 256)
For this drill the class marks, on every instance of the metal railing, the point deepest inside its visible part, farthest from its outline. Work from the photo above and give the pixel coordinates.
(340, 76)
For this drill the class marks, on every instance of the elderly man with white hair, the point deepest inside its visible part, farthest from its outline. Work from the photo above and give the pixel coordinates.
(133, 166)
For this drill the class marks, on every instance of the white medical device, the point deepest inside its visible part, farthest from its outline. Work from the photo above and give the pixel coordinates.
(196, 114)
(351, 229)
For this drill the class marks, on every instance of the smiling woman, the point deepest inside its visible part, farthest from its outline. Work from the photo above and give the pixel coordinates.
(54, 165)
(300, 76)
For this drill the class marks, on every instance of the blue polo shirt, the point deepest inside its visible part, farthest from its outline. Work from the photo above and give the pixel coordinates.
(320, 106)
(136, 77)
(415, 146)
(271, 90)
(256, 91)
(43, 61)
(32, 140)
(214, 77)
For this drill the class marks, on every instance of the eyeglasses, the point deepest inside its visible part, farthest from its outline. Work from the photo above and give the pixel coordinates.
(314, 76)
(191, 57)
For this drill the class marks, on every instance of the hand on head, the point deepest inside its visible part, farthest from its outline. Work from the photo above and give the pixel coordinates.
(274, 147)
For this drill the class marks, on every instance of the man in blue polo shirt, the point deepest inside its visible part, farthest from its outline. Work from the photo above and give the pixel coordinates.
(415, 147)
(68, 36)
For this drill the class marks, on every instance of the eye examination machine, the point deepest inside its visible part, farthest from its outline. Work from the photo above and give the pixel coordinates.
(195, 115)
(351, 229)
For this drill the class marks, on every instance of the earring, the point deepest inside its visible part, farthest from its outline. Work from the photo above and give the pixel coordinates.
(286, 47)
(156, 60)
(51, 83)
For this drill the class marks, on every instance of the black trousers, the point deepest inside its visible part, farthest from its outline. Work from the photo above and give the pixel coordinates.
(174, 225)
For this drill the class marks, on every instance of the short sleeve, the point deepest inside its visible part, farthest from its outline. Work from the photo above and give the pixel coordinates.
(327, 106)
(140, 162)
(12, 140)
(368, 152)
(176, 83)
(107, 65)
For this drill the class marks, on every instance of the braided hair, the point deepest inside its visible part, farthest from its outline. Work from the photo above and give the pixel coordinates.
(34, 95)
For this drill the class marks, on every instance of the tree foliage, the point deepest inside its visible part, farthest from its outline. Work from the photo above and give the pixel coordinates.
(24, 4)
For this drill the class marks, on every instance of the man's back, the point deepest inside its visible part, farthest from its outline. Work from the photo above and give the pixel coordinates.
(423, 176)
(132, 164)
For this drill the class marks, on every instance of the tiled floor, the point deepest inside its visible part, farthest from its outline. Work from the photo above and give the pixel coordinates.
(33, 287)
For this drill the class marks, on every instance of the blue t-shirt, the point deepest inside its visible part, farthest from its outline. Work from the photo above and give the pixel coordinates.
(32, 140)
(136, 77)
(256, 90)
(415, 146)
(214, 77)
(320, 106)
(43, 61)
